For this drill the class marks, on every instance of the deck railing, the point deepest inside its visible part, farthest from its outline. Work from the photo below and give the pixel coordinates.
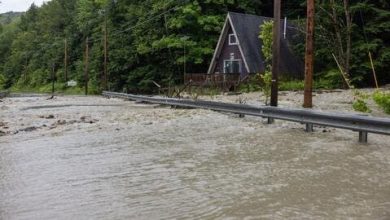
(224, 80)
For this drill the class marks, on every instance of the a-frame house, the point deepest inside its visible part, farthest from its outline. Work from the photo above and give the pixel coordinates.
(239, 48)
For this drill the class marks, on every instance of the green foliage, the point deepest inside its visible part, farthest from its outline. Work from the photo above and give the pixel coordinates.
(266, 87)
(291, 85)
(361, 106)
(369, 33)
(359, 103)
(9, 17)
(267, 38)
(252, 85)
(382, 99)
(154, 39)
(2, 81)
(331, 79)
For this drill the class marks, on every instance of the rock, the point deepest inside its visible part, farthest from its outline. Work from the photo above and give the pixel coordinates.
(61, 122)
(49, 117)
(29, 129)
(86, 119)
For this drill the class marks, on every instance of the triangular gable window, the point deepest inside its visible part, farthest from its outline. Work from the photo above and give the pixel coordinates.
(233, 39)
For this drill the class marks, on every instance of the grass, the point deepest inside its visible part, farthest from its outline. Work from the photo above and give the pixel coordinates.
(292, 85)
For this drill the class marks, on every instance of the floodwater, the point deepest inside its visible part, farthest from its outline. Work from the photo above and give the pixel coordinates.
(95, 158)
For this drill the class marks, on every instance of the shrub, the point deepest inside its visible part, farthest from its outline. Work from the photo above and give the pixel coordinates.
(382, 99)
(329, 80)
(361, 106)
(291, 85)
(253, 84)
(266, 88)
(359, 103)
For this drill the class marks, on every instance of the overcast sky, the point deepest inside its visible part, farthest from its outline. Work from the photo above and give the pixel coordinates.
(18, 5)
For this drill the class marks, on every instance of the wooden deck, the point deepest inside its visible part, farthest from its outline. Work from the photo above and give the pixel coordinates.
(224, 81)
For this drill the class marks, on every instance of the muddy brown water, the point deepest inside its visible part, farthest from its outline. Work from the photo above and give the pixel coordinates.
(161, 163)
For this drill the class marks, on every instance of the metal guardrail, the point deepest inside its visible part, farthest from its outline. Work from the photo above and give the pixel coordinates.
(359, 123)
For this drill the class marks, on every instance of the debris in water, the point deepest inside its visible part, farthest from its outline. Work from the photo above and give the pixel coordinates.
(47, 116)
(28, 129)
(61, 122)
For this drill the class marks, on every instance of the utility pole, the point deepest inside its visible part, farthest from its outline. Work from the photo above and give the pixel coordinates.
(86, 66)
(53, 78)
(309, 56)
(184, 55)
(105, 83)
(66, 59)
(275, 53)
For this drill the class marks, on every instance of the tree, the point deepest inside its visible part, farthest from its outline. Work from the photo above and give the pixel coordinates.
(147, 39)
(266, 36)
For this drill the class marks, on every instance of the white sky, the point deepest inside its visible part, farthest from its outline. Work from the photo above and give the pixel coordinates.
(18, 5)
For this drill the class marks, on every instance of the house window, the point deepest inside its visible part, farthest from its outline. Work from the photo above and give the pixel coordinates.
(232, 66)
(233, 39)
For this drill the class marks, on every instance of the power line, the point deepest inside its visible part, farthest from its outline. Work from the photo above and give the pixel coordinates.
(156, 16)
(117, 32)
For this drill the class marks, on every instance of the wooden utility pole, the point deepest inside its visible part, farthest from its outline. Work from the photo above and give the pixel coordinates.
(53, 78)
(86, 65)
(309, 56)
(105, 83)
(275, 53)
(66, 59)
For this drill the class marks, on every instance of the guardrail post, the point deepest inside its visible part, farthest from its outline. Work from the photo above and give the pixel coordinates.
(309, 127)
(270, 120)
(363, 136)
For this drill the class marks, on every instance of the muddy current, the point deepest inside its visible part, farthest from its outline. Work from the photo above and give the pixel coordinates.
(94, 158)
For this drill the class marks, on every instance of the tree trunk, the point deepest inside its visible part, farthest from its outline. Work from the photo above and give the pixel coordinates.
(344, 52)
(348, 20)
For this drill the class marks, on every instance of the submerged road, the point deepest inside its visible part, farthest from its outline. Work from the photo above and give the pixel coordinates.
(110, 159)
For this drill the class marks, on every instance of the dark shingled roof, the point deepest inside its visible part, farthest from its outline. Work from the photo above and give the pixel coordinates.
(247, 28)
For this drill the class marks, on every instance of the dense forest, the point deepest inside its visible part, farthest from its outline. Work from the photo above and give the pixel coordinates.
(151, 40)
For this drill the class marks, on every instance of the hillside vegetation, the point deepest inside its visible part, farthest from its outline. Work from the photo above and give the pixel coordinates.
(151, 40)
(9, 17)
